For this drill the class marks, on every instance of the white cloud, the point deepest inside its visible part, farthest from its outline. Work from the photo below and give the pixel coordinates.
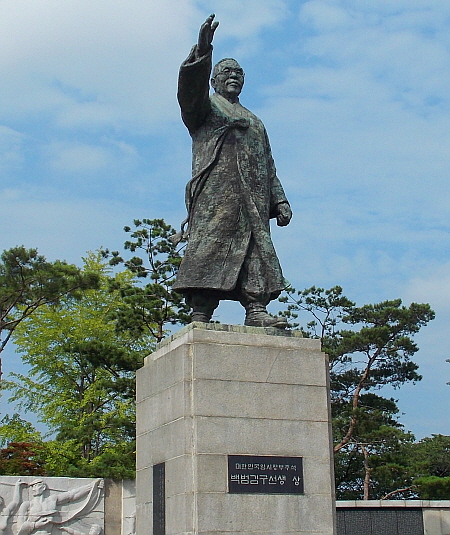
(326, 16)
(11, 149)
(61, 228)
(434, 287)
(121, 55)
(80, 159)
(242, 20)
(113, 62)
(363, 114)
(408, 55)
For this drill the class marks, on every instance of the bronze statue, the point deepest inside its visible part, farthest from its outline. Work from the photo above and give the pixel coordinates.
(233, 193)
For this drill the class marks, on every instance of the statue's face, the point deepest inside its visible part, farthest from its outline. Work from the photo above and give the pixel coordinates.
(229, 79)
(38, 488)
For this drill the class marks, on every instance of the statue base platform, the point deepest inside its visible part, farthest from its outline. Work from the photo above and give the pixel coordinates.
(234, 434)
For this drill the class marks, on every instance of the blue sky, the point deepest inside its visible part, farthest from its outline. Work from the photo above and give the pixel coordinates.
(355, 96)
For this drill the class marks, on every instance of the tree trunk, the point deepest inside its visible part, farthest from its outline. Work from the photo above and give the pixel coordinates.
(367, 471)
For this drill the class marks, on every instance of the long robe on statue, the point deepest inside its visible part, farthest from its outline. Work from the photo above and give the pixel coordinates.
(233, 193)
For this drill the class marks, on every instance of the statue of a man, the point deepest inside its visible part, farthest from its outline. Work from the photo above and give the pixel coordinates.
(38, 515)
(233, 193)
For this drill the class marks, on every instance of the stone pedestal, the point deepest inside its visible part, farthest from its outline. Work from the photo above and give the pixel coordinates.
(215, 391)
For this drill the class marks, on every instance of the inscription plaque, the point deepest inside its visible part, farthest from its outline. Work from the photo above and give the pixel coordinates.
(249, 474)
(159, 499)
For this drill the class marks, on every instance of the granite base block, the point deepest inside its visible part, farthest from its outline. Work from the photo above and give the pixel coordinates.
(211, 391)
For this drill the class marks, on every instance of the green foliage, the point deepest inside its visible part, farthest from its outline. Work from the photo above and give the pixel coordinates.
(430, 464)
(432, 456)
(28, 281)
(150, 307)
(23, 451)
(374, 352)
(15, 429)
(81, 381)
(433, 488)
(376, 459)
(83, 349)
(116, 460)
(385, 340)
(327, 307)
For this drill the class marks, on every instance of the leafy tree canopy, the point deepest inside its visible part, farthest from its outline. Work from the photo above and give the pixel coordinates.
(15, 429)
(81, 381)
(22, 458)
(368, 347)
(151, 306)
(28, 281)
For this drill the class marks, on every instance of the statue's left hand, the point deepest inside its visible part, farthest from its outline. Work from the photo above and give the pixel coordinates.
(284, 214)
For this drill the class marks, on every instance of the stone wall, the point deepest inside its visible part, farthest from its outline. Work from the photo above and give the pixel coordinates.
(393, 517)
(66, 505)
(59, 505)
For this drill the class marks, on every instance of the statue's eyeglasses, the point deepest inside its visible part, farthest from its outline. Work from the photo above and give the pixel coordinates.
(228, 70)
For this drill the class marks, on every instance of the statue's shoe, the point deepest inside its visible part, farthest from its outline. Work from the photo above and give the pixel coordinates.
(263, 319)
(199, 316)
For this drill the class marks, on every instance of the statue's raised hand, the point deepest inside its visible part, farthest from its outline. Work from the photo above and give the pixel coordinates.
(205, 35)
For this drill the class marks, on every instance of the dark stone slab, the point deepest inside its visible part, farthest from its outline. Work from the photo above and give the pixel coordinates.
(159, 499)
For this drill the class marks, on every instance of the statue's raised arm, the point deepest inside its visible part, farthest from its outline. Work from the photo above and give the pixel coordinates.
(205, 36)
(193, 80)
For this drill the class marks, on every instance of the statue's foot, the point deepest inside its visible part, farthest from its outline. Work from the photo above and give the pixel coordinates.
(200, 316)
(263, 319)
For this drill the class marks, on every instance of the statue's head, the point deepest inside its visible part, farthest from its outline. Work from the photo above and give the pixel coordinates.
(228, 78)
(38, 487)
(2, 502)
